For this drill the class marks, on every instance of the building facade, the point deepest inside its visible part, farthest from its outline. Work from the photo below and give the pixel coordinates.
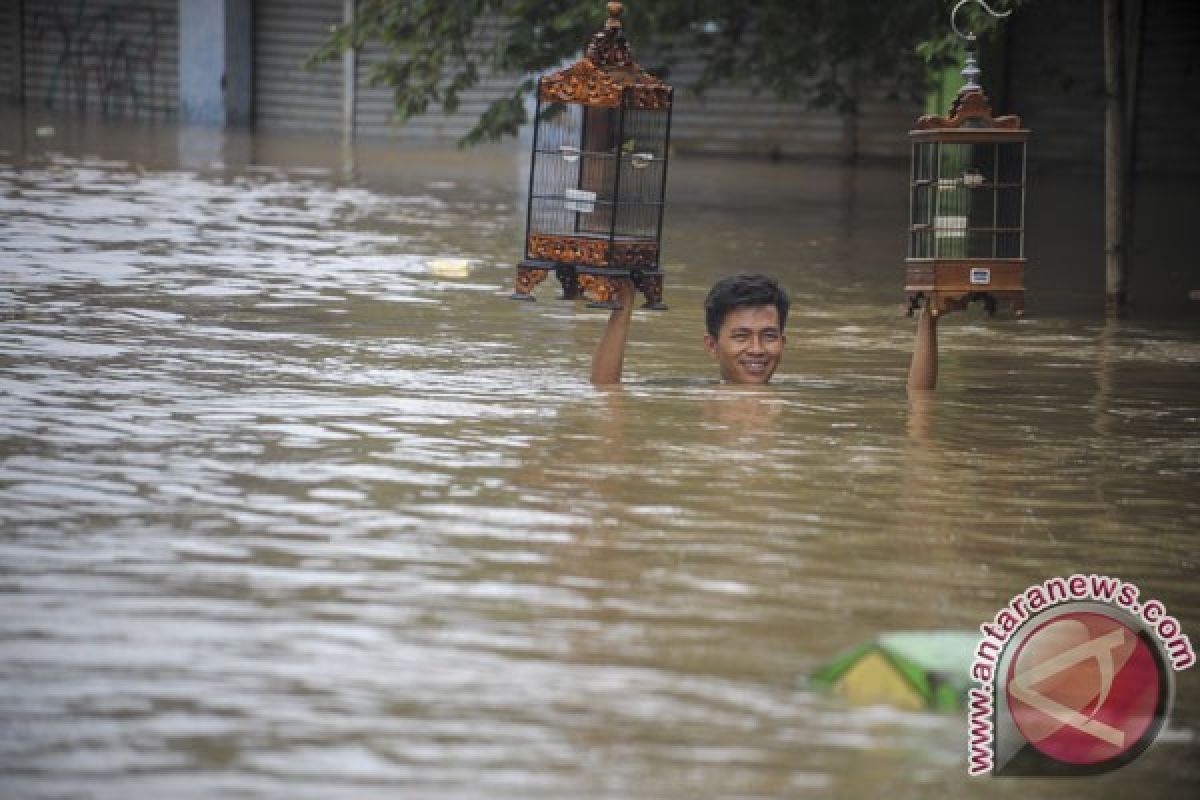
(135, 58)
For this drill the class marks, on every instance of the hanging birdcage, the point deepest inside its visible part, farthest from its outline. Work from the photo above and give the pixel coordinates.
(598, 175)
(966, 237)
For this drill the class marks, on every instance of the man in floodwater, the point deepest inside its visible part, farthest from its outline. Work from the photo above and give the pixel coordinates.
(744, 315)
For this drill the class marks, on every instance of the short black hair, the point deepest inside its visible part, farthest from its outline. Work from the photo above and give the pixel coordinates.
(740, 291)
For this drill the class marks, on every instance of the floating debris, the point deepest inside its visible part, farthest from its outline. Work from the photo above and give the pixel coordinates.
(450, 267)
(913, 670)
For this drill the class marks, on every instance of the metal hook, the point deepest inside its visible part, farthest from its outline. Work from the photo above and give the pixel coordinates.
(970, 35)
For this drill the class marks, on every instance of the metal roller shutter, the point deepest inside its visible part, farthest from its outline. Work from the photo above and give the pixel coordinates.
(883, 127)
(373, 108)
(287, 96)
(1167, 119)
(727, 120)
(733, 119)
(10, 47)
(1057, 82)
(117, 57)
(1056, 79)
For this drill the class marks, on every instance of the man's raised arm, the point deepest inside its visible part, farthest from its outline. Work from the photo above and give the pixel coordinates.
(922, 372)
(610, 352)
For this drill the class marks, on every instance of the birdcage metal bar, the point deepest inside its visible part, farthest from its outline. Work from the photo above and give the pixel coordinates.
(537, 113)
(662, 192)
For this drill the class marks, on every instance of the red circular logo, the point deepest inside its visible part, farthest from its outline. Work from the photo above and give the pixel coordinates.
(1084, 688)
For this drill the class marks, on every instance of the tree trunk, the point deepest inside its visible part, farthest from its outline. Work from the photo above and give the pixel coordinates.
(1114, 201)
(1135, 18)
(850, 116)
(349, 76)
(18, 55)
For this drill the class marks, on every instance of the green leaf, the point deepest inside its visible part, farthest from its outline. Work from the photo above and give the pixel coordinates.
(821, 52)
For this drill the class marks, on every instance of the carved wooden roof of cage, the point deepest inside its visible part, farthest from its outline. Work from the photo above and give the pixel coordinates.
(970, 116)
(606, 73)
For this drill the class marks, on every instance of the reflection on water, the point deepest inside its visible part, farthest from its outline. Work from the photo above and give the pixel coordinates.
(288, 514)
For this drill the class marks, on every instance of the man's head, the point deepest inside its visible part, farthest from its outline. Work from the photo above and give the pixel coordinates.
(745, 315)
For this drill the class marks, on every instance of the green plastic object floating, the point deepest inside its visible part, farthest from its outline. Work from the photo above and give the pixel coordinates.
(912, 670)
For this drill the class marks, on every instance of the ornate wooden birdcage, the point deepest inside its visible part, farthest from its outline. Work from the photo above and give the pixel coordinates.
(966, 235)
(598, 175)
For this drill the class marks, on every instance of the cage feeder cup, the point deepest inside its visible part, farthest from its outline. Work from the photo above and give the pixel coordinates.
(598, 176)
(966, 235)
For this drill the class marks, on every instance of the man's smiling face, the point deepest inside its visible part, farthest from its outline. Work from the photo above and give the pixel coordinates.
(749, 344)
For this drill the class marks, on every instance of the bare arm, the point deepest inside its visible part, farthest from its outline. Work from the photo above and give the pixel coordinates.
(922, 373)
(610, 352)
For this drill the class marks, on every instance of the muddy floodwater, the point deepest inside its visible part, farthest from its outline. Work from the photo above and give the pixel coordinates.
(295, 503)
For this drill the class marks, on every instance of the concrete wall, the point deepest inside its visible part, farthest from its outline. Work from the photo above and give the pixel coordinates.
(215, 61)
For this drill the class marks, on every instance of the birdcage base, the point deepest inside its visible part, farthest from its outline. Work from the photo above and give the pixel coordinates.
(940, 303)
(651, 287)
(596, 285)
(528, 276)
(599, 287)
(951, 285)
(594, 250)
(568, 279)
